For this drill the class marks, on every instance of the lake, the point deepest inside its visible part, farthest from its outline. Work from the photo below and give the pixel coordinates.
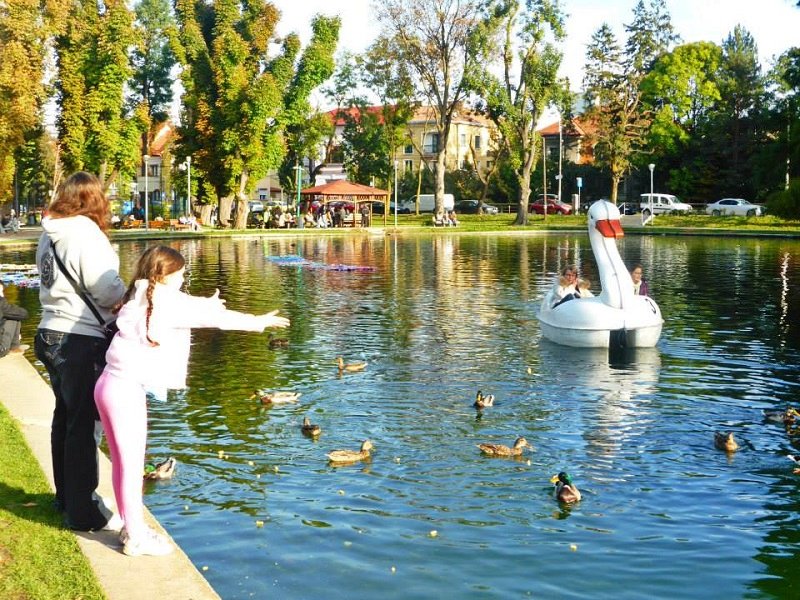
(664, 514)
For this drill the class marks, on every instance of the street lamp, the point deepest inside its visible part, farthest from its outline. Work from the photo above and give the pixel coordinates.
(298, 169)
(188, 185)
(395, 196)
(652, 167)
(146, 159)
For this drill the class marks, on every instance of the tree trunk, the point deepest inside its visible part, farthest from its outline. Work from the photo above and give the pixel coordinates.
(440, 167)
(614, 187)
(204, 213)
(524, 180)
(242, 207)
(224, 215)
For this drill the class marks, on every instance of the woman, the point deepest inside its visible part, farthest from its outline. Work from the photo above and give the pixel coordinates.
(71, 342)
(569, 286)
(639, 284)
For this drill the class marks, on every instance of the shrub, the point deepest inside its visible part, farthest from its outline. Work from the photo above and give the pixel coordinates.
(786, 203)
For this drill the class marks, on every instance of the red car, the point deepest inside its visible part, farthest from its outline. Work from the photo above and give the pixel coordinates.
(553, 206)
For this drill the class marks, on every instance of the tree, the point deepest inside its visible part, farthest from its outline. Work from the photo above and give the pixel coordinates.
(613, 87)
(25, 30)
(432, 39)
(95, 130)
(240, 99)
(681, 92)
(152, 58)
(515, 101)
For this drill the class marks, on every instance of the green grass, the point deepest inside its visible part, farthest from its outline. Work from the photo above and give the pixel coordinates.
(39, 558)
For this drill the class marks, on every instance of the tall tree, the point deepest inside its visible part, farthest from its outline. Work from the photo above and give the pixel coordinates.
(239, 99)
(25, 29)
(614, 93)
(152, 58)
(433, 40)
(518, 32)
(95, 130)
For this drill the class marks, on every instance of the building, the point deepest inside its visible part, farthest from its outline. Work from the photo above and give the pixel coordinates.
(152, 178)
(471, 141)
(575, 142)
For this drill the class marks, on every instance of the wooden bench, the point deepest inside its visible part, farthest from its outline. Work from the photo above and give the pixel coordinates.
(131, 224)
(352, 220)
(157, 224)
(176, 225)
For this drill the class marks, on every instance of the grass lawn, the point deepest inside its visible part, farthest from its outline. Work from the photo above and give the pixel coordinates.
(39, 558)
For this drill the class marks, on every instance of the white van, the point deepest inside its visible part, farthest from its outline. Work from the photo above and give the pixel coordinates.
(663, 204)
(427, 203)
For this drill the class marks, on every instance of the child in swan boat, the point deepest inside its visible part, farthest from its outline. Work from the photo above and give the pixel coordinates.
(151, 353)
(570, 286)
(639, 283)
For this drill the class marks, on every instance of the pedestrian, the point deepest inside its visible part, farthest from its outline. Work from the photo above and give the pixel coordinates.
(150, 354)
(71, 342)
(11, 317)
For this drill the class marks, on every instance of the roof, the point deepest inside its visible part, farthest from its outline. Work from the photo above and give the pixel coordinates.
(164, 133)
(421, 114)
(344, 189)
(576, 128)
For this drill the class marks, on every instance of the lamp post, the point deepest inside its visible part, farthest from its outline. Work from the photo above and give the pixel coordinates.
(146, 159)
(298, 169)
(652, 168)
(395, 195)
(188, 186)
(560, 176)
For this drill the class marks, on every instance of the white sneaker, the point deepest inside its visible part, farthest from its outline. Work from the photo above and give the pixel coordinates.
(115, 523)
(150, 544)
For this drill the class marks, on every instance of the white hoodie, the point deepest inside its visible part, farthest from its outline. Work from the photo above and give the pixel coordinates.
(175, 313)
(88, 256)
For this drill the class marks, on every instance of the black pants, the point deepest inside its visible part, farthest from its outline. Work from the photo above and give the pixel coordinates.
(74, 363)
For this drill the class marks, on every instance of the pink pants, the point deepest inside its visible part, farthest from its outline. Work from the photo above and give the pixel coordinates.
(122, 405)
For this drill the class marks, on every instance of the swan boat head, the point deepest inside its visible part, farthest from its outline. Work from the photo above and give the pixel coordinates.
(616, 317)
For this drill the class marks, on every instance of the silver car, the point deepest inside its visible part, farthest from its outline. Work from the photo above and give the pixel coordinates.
(734, 206)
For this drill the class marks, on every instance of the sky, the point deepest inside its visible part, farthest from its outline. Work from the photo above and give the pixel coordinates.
(774, 24)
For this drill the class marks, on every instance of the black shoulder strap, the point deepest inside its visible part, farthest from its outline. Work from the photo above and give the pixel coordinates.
(78, 289)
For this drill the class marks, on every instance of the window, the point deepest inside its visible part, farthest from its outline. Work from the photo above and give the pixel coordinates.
(461, 163)
(478, 142)
(489, 164)
(463, 139)
(431, 145)
(409, 149)
(408, 166)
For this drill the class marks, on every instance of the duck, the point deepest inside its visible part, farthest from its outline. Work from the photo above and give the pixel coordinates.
(795, 460)
(309, 428)
(351, 456)
(162, 470)
(725, 441)
(278, 343)
(482, 401)
(500, 450)
(787, 417)
(564, 490)
(350, 367)
(268, 397)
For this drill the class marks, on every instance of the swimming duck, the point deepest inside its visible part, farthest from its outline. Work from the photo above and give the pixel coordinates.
(309, 428)
(350, 367)
(787, 417)
(162, 470)
(278, 343)
(482, 401)
(564, 490)
(350, 456)
(500, 450)
(268, 397)
(795, 460)
(725, 441)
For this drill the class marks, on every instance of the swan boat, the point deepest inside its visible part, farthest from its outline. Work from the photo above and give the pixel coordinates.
(615, 318)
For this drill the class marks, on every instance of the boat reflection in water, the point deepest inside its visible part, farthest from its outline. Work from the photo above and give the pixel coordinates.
(610, 396)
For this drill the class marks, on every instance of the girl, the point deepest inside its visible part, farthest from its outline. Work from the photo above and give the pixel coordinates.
(150, 354)
(569, 286)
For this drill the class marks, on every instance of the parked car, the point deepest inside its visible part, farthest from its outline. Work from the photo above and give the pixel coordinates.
(663, 204)
(255, 206)
(553, 206)
(628, 208)
(734, 206)
(427, 203)
(470, 207)
(378, 208)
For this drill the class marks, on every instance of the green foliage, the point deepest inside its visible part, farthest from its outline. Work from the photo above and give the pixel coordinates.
(515, 101)
(366, 146)
(152, 58)
(786, 203)
(95, 131)
(239, 98)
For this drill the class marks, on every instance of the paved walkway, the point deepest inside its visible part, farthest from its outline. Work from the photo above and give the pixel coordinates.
(29, 399)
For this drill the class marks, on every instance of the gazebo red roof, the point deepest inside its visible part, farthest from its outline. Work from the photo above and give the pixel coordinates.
(344, 189)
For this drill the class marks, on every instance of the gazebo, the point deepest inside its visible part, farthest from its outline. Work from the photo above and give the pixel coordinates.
(342, 190)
